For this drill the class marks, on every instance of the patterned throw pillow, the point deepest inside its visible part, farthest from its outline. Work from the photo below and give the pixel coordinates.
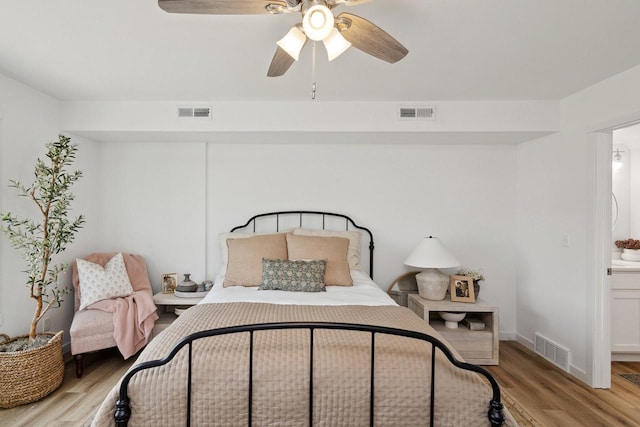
(296, 276)
(98, 283)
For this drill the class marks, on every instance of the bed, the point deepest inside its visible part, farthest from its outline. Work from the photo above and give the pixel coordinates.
(345, 355)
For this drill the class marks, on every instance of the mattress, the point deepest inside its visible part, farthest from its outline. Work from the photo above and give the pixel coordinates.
(363, 292)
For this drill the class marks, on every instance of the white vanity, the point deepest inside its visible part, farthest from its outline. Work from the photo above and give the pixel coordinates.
(625, 310)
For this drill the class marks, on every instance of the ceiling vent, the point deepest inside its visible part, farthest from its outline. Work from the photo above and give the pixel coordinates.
(416, 113)
(194, 112)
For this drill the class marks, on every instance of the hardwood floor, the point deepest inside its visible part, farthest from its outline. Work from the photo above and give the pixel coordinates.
(550, 396)
(76, 399)
(554, 398)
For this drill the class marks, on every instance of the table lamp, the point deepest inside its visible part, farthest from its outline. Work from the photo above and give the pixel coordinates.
(431, 254)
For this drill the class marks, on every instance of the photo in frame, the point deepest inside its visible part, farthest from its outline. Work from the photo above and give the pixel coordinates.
(169, 282)
(461, 289)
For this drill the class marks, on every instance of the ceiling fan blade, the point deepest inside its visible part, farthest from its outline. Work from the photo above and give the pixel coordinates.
(371, 39)
(280, 63)
(218, 7)
(350, 2)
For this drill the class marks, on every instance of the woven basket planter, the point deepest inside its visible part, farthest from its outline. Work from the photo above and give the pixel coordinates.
(30, 375)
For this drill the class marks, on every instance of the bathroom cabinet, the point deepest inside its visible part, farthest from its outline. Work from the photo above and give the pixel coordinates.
(625, 314)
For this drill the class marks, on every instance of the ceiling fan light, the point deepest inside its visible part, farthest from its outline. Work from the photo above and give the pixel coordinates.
(318, 22)
(335, 44)
(293, 42)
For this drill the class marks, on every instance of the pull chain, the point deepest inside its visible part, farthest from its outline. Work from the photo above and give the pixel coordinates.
(313, 71)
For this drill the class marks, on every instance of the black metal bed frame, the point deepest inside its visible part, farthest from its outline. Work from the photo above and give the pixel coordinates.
(495, 413)
(301, 214)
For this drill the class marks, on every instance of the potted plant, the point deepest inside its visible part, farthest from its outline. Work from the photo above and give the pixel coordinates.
(630, 249)
(31, 366)
(475, 274)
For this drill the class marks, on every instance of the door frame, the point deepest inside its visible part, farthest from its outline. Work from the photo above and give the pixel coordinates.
(600, 142)
(599, 300)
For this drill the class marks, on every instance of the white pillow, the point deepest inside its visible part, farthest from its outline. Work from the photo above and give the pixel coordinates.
(353, 254)
(98, 283)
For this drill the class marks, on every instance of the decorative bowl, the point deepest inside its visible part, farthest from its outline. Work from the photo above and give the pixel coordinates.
(451, 319)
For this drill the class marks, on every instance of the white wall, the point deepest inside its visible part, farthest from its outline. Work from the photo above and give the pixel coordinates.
(30, 120)
(626, 182)
(152, 201)
(620, 186)
(556, 193)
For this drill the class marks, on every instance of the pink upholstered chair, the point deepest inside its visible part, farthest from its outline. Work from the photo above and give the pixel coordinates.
(93, 330)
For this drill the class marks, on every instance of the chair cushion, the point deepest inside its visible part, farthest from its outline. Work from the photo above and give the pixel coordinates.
(91, 330)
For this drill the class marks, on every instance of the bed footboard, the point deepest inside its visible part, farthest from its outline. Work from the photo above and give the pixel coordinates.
(495, 413)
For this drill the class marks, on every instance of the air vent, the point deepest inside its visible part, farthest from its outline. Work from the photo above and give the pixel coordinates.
(194, 112)
(553, 352)
(417, 113)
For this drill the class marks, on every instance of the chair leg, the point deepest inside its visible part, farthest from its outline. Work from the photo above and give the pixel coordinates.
(79, 364)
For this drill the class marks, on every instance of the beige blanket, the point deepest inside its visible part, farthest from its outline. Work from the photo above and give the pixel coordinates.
(281, 378)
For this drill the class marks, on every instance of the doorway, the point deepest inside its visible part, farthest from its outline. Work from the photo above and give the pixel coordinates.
(601, 244)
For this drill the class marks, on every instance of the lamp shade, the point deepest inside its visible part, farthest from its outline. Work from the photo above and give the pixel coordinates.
(318, 22)
(335, 44)
(432, 253)
(293, 42)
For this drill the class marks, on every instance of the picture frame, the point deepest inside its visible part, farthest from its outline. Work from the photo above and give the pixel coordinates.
(169, 282)
(461, 289)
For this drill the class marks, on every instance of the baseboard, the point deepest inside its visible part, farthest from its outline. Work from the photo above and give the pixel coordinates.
(525, 342)
(574, 371)
(579, 374)
(507, 336)
(625, 357)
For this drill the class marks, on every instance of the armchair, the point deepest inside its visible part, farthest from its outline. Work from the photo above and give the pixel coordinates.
(123, 322)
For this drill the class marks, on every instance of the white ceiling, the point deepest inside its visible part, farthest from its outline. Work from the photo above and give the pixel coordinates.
(458, 50)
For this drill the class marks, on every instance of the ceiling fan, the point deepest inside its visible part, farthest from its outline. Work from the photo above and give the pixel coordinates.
(318, 24)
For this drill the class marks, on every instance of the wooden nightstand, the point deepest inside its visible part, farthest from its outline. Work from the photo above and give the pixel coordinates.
(167, 304)
(478, 347)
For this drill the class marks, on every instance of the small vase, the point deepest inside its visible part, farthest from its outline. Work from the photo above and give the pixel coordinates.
(476, 288)
(187, 285)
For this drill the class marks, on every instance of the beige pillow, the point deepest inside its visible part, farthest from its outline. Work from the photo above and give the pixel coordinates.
(244, 267)
(353, 255)
(224, 249)
(333, 249)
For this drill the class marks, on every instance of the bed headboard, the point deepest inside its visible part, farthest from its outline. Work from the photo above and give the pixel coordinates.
(306, 215)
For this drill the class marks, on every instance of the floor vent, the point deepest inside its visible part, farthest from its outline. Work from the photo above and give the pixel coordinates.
(417, 113)
(553, 352)
(195, 112)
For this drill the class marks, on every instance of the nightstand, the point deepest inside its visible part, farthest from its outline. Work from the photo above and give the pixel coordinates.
(477, 347)
(167, 304)
(401, 297)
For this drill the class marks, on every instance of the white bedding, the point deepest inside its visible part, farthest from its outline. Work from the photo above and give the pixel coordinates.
(363, 292)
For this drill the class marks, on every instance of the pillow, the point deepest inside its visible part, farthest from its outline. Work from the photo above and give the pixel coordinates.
(353, 256)
(296, 276)
(333, 249)
(244, 267)
(225, 249)
(99, 283)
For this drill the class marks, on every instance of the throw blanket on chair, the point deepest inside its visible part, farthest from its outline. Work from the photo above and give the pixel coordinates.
(133, 319)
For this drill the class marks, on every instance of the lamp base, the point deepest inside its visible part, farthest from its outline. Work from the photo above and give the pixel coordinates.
(432, 284)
